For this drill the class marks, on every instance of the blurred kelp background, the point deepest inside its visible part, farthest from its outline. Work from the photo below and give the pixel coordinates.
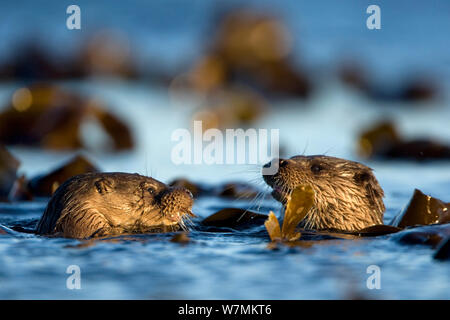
(138, 70)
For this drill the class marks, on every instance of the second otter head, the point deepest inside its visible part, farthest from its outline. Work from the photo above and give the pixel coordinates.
(347, 194)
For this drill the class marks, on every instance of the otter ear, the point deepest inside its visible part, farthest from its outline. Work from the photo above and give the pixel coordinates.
(374, 192)
(362, 177)
(103, 186)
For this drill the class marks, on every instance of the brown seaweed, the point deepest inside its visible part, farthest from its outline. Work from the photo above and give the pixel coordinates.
(234, 218)
(43, 186)
(423, 210)
(384, 141)
(443, 252)
(273, 227)
(300, 202)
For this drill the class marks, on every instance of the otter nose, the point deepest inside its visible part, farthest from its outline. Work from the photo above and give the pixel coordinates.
(281, 163)
(271, 168)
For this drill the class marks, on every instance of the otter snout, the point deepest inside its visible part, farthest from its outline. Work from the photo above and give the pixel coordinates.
(176, 202)
(272, 167)
(281, 162)
(281, 187)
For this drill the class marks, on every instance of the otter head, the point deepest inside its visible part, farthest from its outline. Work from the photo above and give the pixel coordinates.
(347, 194)
(98, 204)
(141, 203)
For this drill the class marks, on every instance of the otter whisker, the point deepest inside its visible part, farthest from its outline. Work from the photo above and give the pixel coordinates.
(182, 225)
(187, 221)
(260, 200)
(248, 208)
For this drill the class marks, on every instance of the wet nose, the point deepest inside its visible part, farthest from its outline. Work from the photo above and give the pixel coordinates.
(281, 163)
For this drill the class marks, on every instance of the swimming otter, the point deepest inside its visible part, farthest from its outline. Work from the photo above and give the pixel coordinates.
(347, 194)
(100, 204)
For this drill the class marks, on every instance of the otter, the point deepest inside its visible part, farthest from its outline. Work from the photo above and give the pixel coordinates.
(104, 204)
(347, 194)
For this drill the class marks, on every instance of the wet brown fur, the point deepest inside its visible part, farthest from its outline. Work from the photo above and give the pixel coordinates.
(101, 204)
(347, 194)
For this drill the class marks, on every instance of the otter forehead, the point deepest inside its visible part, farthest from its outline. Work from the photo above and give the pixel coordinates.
(116, 181)
(337, 165)
(121, 178)
(317, 169)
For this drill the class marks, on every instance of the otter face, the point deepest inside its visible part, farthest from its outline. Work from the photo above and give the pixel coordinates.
(141, 202)
(347, 195)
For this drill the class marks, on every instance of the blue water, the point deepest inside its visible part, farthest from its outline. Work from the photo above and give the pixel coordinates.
(237, 265)
(215, 266)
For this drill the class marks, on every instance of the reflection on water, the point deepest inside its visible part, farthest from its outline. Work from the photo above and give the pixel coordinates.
(218, 265)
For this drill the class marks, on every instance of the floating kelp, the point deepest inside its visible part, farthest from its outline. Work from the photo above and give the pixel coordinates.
(234, 218)
(443, 252)
(300, 202)
(431, 235)
(45, 185)
(238, 190)
(377, 230)
(384, 141)
(423, 210)
(4, 230)
(273, 227)
(8, 170)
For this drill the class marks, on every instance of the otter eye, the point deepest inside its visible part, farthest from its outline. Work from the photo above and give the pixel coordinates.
(151, 190)
(316, 168)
